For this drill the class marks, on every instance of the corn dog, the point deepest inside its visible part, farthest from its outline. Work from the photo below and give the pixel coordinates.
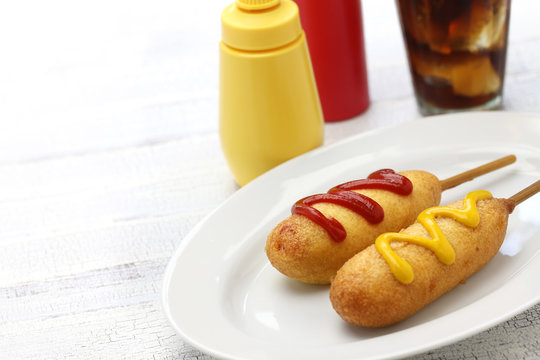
(402, 272)
(324, 230)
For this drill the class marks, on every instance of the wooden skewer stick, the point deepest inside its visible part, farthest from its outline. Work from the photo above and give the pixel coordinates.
(526, 193)
(473, 173)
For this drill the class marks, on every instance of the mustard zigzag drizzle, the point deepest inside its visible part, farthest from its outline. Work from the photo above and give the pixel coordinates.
(438, 243)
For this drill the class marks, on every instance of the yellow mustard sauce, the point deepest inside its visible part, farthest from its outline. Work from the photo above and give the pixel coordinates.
(438, 243)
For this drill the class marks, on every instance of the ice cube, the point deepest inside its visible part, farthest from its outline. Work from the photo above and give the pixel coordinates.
(474, 77)
(471, 75)
(480, 29)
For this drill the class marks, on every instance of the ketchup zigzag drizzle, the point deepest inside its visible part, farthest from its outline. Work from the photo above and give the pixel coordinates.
(384, 179)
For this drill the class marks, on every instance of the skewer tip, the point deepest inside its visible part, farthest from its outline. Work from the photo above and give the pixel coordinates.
(526, 193)
(478, 171)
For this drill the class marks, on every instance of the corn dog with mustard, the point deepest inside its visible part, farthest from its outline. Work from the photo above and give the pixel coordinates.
(325, 230)
(402, 272)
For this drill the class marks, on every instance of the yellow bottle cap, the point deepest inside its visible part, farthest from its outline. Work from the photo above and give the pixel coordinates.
(256, 4)
(255, 25)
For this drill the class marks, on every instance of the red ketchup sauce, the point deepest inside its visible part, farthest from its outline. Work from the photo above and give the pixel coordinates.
(384, 179)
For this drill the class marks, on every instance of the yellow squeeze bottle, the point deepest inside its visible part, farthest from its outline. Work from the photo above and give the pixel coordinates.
(269, 106)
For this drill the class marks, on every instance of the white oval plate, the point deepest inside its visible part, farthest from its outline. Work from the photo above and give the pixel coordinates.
(222, 295)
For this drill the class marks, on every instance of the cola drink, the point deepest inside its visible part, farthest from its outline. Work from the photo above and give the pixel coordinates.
(456, 51)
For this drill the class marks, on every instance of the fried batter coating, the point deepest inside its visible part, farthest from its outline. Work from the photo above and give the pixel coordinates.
(303, 250)
(366, 293)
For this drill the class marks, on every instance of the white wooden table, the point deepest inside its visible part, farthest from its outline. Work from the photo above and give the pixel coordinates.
(109, 156)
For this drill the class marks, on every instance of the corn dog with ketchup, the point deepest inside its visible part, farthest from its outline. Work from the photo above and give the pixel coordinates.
(325, 230)
(402, 272)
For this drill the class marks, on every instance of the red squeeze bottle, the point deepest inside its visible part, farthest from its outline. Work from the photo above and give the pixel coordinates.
(335, 39)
